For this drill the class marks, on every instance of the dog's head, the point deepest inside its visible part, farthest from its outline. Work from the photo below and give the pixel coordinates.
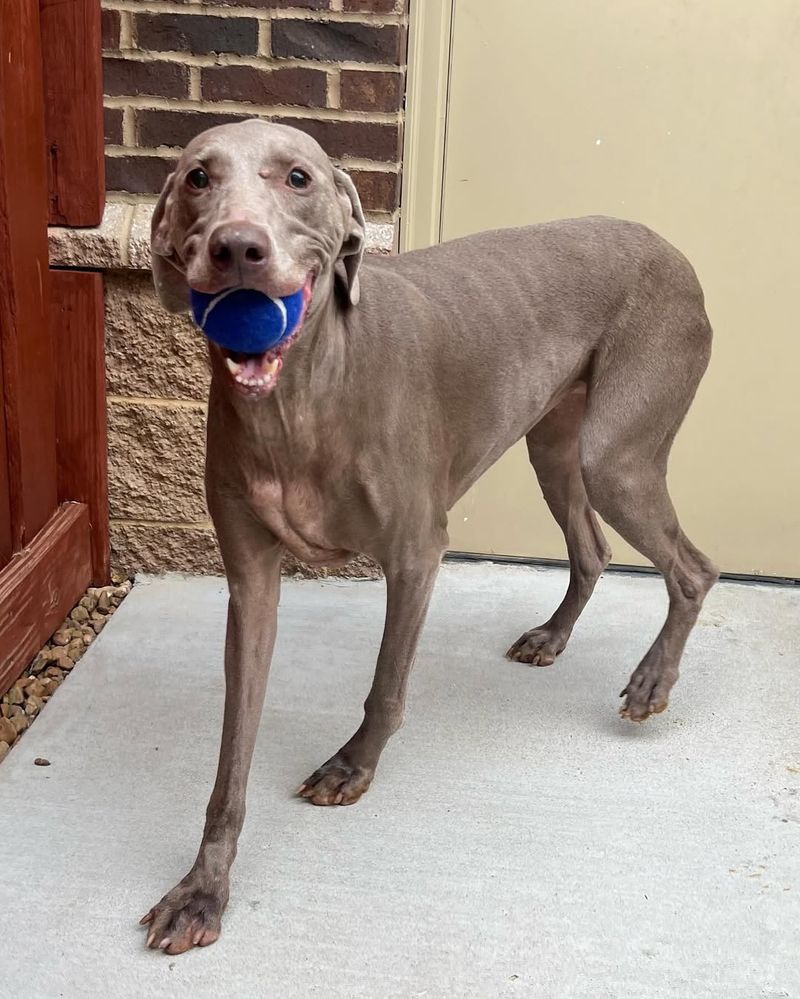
(256, 205)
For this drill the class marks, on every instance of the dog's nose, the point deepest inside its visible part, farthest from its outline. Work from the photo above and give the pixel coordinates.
(238, 246)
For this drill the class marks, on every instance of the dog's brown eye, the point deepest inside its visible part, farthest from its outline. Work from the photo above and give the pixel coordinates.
(197, 179)
(299, 179)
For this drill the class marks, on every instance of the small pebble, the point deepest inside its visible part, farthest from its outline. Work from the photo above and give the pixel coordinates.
(20, 722)
(39, 663)
(76, 648)
(36, 688)
(7, 731)
(90, 601)
(40, 761)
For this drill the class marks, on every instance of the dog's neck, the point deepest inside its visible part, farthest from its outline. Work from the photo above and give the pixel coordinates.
(313, 386)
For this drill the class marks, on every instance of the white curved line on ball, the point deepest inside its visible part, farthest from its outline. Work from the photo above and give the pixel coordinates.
(277, 302)
(212, 304)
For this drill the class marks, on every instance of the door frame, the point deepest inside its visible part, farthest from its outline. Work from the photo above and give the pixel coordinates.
(430, 44)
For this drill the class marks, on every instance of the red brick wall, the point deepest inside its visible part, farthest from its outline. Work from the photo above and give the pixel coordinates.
(334, 68)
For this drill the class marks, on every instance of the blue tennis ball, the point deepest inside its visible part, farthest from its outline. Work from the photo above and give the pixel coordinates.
(246, 320)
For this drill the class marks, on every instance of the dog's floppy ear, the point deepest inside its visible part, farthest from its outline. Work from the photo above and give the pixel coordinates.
(355, 232)
(171, 286)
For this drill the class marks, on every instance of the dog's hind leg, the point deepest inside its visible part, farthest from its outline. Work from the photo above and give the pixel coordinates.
(636, 404)
(553, 451)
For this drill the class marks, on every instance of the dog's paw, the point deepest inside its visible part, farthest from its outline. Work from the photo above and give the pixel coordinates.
(188, 916)
(538, 647)
(647, 692)
(337, 782)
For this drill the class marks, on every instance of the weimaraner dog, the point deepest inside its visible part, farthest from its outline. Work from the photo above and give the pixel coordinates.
(409, 377)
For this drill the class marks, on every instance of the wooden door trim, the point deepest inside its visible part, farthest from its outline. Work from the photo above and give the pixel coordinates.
(38, 587)
(427, 95)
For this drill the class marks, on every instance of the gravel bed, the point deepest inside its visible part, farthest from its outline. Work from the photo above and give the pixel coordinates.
(20, 706)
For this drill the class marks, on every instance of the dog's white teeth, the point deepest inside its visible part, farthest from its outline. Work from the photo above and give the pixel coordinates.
(255, 382)
(271, 367)
(233, 367)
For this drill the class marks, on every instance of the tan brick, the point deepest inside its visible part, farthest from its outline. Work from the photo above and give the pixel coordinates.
(164, 548)
(150, 352)
(155, 462)
(173, 548)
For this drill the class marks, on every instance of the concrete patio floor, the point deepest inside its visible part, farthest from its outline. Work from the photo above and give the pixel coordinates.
(520, 839)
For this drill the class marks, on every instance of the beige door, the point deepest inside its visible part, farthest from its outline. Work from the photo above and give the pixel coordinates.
(682, 114)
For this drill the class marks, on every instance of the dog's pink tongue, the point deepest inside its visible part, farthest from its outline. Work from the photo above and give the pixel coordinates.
(253, 367)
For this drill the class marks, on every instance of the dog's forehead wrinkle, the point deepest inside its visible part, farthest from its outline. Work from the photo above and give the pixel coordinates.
(263, 139)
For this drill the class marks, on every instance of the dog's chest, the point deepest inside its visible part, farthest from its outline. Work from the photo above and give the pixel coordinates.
(294, 513)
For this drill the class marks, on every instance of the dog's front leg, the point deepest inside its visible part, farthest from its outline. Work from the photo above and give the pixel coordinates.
(348, 774)
(190, 914)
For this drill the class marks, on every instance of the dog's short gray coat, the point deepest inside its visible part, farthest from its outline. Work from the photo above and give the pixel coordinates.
(410, 376)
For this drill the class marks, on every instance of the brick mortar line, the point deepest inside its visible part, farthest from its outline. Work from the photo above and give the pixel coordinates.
(264, 39)
(156, 402)
(209, 61)
(349, 162)
(128, 126)
(259, 13)
(126, 198)
(178, 525)
(125, 237)
(257, 110)
(195, 86)
(334, 88)
(126, 39)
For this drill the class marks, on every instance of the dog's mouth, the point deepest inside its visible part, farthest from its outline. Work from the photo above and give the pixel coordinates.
(256, 375)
